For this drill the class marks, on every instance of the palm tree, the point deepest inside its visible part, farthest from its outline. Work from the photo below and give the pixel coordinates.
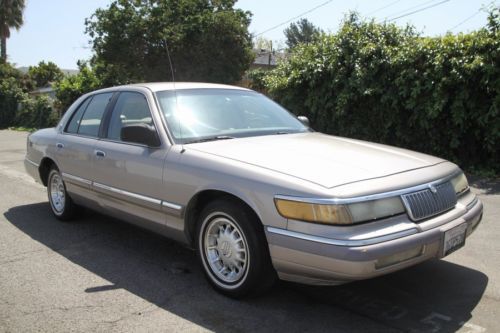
(11, 16)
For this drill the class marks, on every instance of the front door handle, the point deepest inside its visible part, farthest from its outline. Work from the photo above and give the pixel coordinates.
(100, 153)
(59, 145)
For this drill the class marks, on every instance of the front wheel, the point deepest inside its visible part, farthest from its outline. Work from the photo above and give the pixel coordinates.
(60, 202)
(232, 249)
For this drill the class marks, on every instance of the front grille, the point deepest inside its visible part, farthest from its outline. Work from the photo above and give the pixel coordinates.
(429, 202)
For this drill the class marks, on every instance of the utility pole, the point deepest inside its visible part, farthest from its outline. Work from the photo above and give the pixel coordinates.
(270, 54)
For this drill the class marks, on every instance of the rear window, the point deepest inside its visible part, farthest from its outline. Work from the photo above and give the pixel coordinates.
(90, 122)
(77, 116)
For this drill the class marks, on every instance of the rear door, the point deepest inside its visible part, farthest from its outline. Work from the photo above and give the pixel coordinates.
(75, 145)
(127, 175)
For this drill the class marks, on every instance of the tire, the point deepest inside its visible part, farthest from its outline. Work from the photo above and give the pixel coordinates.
(61, 203)
(232, 249)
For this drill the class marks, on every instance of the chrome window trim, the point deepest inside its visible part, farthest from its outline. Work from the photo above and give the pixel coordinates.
(75, 178)
(32, 163)
(129, 143)
(341, 242)
(370, 197)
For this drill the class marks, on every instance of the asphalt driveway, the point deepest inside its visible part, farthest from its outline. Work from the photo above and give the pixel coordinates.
(101, 275)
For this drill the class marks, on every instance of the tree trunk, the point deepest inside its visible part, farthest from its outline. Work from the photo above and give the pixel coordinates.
(4, 50)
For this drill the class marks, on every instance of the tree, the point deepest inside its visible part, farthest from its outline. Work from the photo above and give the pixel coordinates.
(207, 41)
(72, 87)
(11, 93)
(299, 32)
(11, 16)
(45, 73)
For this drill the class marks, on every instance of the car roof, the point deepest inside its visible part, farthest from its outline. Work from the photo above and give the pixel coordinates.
(159, 86)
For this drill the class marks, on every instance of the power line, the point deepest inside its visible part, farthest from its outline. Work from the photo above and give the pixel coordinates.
(467, 19)
(408, 9)
(294, 18)
(418, 10)
(384, 7)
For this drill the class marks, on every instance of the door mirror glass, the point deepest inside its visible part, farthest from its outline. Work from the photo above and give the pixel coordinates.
(304, 120)
(140, 133)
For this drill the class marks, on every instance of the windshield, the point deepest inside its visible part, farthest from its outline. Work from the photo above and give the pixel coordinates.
(195, 115)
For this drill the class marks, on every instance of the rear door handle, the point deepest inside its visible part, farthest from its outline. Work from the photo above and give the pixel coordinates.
(100, 153)
(59, 145)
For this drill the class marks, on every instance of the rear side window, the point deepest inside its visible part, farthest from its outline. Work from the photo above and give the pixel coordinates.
(77, 116)
(131, 109)
(91, 120)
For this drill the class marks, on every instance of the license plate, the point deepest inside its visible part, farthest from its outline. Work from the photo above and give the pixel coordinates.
(454, 239)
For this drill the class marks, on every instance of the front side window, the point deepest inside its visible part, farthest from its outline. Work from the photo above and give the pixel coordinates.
(196, 114)
(91, 120)
(131, 109)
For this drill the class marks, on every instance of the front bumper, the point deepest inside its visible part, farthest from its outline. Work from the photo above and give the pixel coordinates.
(303, 258)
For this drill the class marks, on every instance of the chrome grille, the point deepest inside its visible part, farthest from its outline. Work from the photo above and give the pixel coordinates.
(429, 202)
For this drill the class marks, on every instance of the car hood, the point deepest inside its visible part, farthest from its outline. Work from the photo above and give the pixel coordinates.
(326, 160)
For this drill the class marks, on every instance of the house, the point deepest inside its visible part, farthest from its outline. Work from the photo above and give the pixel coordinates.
(266, 59)
(47, 91)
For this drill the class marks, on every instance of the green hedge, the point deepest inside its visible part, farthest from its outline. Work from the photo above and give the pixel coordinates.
(388, 84)
(36, 112)
(11, 94)
(17, 107)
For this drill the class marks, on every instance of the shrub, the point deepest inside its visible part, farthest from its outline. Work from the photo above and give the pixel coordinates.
(36, 112)
(388, 84)
(72, 87)
(256, 78)
(11, 94)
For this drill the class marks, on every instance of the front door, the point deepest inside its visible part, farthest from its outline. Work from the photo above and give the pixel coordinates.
(128, 176)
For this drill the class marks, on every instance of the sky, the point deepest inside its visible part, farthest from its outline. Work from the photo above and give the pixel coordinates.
(53, 30)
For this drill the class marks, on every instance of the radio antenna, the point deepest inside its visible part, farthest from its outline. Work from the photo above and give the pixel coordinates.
(170, 63)
(175, 94)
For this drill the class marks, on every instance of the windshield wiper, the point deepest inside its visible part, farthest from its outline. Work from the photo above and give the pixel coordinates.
(211, 138)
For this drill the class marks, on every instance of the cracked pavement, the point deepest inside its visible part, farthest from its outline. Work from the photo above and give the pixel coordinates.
(98, 274)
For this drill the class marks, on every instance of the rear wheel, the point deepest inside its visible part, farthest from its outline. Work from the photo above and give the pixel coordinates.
(232, 249)
(62, 206)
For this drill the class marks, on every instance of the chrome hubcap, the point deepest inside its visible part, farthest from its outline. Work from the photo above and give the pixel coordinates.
(226, 249)
(57, 193)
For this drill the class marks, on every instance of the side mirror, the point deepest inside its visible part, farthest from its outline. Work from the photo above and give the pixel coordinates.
(140, 133)
(304, 120)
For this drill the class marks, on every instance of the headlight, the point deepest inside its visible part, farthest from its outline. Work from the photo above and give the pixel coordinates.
(376, 209)
(303, 211)
(339, 214)
(460, 183)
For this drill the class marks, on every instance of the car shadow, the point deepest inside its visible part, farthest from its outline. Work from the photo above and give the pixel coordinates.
(436, 295)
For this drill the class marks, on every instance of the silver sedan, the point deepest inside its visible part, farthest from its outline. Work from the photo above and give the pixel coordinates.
(257, 192)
